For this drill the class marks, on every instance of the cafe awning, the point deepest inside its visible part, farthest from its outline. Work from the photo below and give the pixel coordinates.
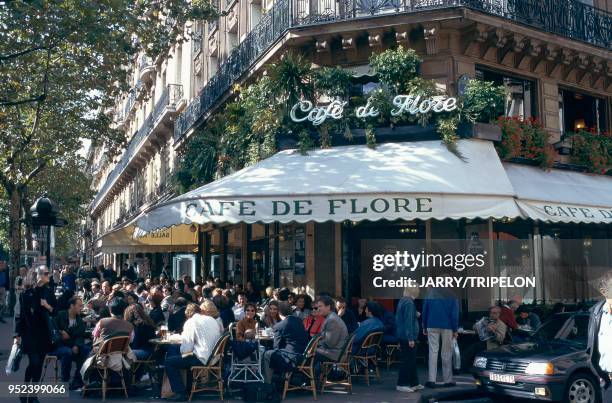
(412, 180)
(561, 195)
(182, 238)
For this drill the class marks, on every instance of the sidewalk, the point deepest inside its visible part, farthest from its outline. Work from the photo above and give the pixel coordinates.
(376, 392)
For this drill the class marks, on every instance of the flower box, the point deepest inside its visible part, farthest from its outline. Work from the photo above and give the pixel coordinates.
(483, 131)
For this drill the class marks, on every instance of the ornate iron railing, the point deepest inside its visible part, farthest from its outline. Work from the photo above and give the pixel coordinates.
(170, 97)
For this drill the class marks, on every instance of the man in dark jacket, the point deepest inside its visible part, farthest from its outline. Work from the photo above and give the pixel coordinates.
(72, 346)
(290, 340)
(600, 334)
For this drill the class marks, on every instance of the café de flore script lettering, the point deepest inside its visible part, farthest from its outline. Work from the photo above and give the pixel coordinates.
(317, 114)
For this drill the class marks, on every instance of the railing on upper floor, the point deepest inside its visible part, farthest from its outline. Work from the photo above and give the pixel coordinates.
(570, 18)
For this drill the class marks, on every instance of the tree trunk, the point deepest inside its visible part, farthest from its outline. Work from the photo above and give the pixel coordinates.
(14, 195)
(27, 220)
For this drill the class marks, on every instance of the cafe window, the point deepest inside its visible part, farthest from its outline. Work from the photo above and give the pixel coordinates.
(233, 254)
(578, 111)
(215, 253)
(520, 93)
(292, 255)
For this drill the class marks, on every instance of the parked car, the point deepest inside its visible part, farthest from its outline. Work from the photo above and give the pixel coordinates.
(552, 365)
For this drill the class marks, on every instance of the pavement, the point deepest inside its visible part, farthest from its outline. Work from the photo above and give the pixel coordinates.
(379, 392)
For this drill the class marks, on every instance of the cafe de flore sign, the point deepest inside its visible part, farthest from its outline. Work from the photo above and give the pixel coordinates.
(412, 104)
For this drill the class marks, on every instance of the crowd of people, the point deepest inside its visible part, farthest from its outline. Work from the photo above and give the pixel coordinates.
(95, 305)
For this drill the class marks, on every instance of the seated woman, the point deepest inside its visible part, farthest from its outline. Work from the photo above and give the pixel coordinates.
(144, 330)
(271, 316)
(225, 311)
(314, 322)
(303, 304)
(156, 314)
(208, 308)
(243, 345)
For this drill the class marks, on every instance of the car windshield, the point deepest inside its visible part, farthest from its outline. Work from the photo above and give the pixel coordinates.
(566, 328)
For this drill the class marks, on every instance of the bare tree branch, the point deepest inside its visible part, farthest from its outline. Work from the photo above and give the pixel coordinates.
(6, 102)
(22, 53)
(34, 172)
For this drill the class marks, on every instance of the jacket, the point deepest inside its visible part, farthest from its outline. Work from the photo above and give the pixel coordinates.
(333, 337)
(313, 324)
(441, 313)
(507, 316)
(406, 320)
(594, 323)
(76, 333)
(32, 321)
(290, 335)
(350, 320)
(366, 327)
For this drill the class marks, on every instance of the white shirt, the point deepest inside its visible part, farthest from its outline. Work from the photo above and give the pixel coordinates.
(200, 333)
(603, 339)
(238, 312)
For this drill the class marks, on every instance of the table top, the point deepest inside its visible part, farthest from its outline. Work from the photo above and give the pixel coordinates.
(466, 331)
(165, 341)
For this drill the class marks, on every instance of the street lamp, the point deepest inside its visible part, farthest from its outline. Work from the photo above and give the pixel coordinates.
(44, 217)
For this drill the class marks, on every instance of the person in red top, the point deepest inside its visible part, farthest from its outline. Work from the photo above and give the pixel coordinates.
(507, 314)
(313, 322)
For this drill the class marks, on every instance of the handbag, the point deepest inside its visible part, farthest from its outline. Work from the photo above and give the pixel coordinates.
(12, 365)
(54, 333)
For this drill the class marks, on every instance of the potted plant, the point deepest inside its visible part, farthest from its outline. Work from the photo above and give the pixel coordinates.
(482, 104)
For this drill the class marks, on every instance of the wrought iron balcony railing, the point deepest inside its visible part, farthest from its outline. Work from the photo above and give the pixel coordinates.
(170, 97)
(570, 18)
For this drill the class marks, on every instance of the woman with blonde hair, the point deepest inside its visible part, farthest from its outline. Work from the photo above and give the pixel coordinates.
(208, 308)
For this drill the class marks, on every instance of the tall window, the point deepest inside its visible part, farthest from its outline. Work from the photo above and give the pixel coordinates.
(520, 98)
(578, 111)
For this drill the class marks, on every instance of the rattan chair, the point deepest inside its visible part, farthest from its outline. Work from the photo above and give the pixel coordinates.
(391, 351)
(148, 364)
(366, 357)
(306, 368)
(342, 364)
(209, 377)
(53, 360)
(114, 345)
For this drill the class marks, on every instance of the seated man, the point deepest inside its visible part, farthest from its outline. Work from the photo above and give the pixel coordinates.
(72, 346)
(372, 324)
(492, 329)
(114, 326)
(290, 340)
(333, 332)
(200, 333)
(176, 318)
(527, 320)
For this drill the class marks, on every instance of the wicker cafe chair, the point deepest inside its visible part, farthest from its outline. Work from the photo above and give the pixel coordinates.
(53, 360)
(342, 364)
(366, 357)
(306, 368)
(391, 351)
(114, 345)
(209, 377)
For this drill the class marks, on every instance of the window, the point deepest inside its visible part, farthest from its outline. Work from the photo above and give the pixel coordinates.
(520, 101)
(578, 111)
(292, 255)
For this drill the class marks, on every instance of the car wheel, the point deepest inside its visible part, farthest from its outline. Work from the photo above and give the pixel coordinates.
(582, 388)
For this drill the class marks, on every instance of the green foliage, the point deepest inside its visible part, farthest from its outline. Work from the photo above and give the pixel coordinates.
(591, 150)
(291, 78)
(396, 67)
(333, 82)
(483, 101)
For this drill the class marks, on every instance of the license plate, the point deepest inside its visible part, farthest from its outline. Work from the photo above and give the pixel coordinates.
(502, 378)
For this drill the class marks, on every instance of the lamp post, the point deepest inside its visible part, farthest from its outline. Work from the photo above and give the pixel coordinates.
(45, 216)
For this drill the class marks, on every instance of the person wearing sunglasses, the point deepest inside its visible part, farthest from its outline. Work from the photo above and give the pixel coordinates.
(32, 330)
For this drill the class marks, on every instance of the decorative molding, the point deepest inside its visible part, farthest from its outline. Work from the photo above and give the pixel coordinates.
(322, 45)
(349, 43)
(430, 33)
(375, 39)
(403, 38)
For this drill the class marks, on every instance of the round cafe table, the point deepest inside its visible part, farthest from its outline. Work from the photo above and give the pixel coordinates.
(165, 342)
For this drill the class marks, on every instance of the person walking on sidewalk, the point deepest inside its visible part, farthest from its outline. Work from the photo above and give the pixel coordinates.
(440, 322)
(5, 284)
(599, 335)
(407, 334)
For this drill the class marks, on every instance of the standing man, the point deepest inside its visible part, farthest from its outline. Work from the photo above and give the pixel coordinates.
(5, 284)
(440, 322)
(600, 334)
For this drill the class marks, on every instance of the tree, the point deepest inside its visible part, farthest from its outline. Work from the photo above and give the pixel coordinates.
(63, 64)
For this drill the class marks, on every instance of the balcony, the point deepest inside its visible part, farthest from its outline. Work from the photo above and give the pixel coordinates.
(156, 126)
(571, 19)
(146, 68)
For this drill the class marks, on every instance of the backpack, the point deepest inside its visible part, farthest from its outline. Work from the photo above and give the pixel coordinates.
(260, 392)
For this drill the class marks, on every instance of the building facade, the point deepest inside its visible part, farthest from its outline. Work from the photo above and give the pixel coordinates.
(554, 59)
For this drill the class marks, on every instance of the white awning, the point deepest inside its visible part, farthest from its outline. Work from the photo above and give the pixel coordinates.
(560, 195)
(418, 180)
